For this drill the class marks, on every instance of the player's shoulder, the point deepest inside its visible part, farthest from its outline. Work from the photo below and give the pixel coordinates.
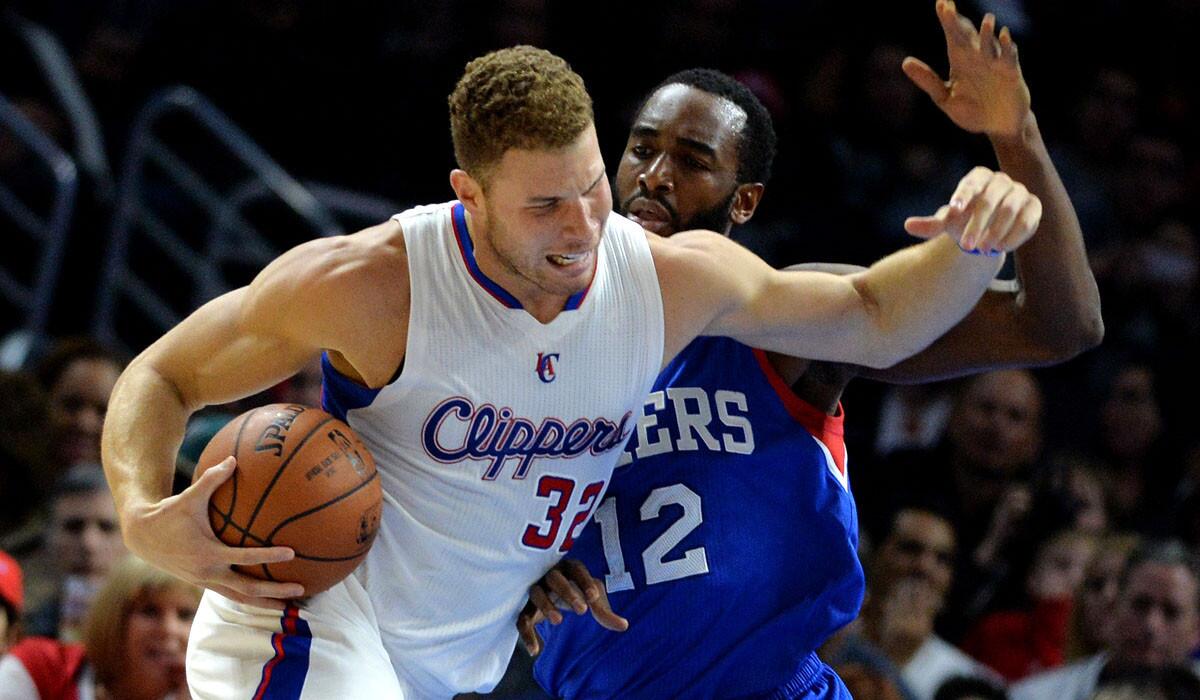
(377, 251)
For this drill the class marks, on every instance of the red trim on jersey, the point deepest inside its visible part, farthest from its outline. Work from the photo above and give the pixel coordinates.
(828, 429)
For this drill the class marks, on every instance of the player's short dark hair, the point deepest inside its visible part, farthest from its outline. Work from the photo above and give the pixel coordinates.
(756, 148)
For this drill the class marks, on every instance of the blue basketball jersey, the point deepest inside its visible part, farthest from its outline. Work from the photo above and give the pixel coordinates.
(728, 539)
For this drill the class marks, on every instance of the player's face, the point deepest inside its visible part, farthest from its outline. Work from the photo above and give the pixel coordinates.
(545, 214)
(1156, 620)
(156, 634)
(679, 170)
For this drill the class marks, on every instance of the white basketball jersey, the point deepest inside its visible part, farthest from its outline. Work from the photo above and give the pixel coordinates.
(495, 443)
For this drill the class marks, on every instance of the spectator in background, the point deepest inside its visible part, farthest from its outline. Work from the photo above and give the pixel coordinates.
(82, 546)
(133, 644)
(12, 600)
(1090, 629)
(1016, 643)
(1156, 624)
(78, 374)
(907, 582)
(981, 470)
(1138, 467)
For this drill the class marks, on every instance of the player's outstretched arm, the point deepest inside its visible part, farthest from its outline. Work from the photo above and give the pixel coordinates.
(874, 318)
(235, 345)
(567, 586)
(1054, 312)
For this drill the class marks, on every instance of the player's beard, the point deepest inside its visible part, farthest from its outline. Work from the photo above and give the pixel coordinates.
(713, 219)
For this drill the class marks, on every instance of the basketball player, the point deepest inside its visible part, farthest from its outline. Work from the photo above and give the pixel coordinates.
(491, 352)
(729, 541)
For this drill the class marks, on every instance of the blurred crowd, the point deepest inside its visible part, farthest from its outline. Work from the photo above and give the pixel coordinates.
(1020, 528)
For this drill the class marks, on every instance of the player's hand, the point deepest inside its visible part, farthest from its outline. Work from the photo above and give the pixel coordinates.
(567, 586)
(175, 535)
(989, 212)
(985, 92)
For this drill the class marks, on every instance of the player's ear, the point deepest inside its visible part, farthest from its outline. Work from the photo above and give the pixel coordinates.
(468, 190)
(745, 200)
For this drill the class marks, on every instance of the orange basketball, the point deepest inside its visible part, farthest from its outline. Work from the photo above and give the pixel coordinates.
(303, 480)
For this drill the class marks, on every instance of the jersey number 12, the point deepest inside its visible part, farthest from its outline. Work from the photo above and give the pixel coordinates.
(693, 562)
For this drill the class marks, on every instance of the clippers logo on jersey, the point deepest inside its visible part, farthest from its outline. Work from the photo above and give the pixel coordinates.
(456, 430)
(545, 366)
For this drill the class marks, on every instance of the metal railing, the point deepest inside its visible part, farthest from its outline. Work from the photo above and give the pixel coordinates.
(47, 229)
(157, 172)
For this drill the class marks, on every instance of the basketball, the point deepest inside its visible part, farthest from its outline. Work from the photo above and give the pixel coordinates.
(304, 480)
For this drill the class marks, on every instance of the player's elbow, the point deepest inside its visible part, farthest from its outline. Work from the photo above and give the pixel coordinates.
(1086, 333)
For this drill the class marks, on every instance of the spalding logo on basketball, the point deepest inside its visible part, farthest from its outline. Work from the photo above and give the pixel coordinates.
(304, 480)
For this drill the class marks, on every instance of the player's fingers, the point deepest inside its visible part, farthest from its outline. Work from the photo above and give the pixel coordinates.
(258, 588)
(955, 32)
(567, 591)
(987, 190)
(270, 603)
(1000, 226)
(527, 628)
(925, 78)
(578, 573)
(987, 36)
(1025, 225)
(603, 613)
(977, 234)
(1008, 47)
(540, 600)
(251, 556)
(927, 226)
(211, 479)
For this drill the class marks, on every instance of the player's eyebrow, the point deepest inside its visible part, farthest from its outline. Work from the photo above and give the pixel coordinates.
(551, 199)
(643, 130)
(646, 131)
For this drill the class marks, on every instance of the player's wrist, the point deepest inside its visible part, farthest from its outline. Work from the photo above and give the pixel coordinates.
(1024, 138)
(975, 251)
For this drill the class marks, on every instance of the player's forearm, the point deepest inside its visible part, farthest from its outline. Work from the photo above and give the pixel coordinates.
(917, 294)
(143, 430)
(1059, 300)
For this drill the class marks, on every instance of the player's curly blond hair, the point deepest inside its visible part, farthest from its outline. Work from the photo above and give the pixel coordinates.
(520, 97)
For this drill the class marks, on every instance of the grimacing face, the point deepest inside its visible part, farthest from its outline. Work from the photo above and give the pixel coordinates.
(537, 220)
(680, 166)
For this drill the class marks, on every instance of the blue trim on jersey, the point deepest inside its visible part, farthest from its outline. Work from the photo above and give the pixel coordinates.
(339, 393)
(283, 676)
(576, 299)
(465, 246)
